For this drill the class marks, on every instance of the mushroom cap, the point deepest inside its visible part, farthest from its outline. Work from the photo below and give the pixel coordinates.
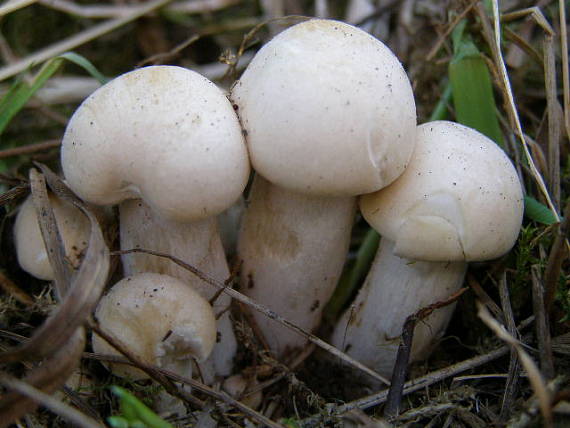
(164, 134)
(159, 318)
(30, 248)
(328, 110)
(460, 199)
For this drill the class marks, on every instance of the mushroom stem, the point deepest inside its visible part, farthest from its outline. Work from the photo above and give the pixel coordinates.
(198, 244)
(293, 248)
(395, 288)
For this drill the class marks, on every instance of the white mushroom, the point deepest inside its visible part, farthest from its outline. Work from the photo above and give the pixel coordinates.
(30, 248)
(170, 137)
(329, 114)
(160, 319)
(459, 200)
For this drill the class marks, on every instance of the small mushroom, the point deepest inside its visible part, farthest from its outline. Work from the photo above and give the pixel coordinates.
(329, 114)
(459, 200)
(166, 143)
(158, 318)
(30, 248)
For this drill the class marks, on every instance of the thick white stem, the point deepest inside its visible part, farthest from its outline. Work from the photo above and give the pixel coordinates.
(293, 249)
(395, 288)
(197, 244)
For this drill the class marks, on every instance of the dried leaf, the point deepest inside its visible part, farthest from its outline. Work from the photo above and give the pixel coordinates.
(83, 287)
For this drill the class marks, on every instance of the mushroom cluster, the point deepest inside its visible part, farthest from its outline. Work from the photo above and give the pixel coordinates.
(324, 113)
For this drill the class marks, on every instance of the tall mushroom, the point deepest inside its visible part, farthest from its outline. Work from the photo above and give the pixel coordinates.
(329, 114)
(459, 200)
(169, 139)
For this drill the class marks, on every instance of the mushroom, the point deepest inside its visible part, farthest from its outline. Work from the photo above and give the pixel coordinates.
(459, 200)
(161, 320)
(329, 114)
(167, 142)
(30, 248)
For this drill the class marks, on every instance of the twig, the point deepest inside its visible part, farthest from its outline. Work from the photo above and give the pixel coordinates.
(66, 412)
(485, 298)
(415, 384)
(400, 371)
(30, 148)
(267, 312)
(435, 49)
(78, 39)
(542, 325)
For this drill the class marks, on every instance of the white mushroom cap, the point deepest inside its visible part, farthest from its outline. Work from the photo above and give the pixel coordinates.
(328, 110)
(459, 200)
(30, 248)
(164, 134)
(160, 319)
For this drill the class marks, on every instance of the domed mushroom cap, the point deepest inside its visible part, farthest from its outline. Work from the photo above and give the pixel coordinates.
(162, 133)
(328, 110)
(30, 248)
(459, 199)
(160, 319)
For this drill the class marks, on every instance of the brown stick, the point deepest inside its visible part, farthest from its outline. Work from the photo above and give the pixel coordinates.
(400, 371)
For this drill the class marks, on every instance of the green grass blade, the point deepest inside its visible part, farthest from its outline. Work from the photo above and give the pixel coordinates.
(440, 110)
(472, 90)
(137, 412)
(353, 276)
(21, 92)
(84, 63)
(538, 212)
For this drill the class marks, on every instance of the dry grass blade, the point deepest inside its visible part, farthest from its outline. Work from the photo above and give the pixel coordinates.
(533, 373)
(14, 5)
(553, 118)
(558, 253)
(267, 312)
(84, 288)
(496, 48)
(511, 385)
(50, 234)
(542, 325)
(49, 376)
(565, 71)
(119, 10)
(14, 194)
(78, 39)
